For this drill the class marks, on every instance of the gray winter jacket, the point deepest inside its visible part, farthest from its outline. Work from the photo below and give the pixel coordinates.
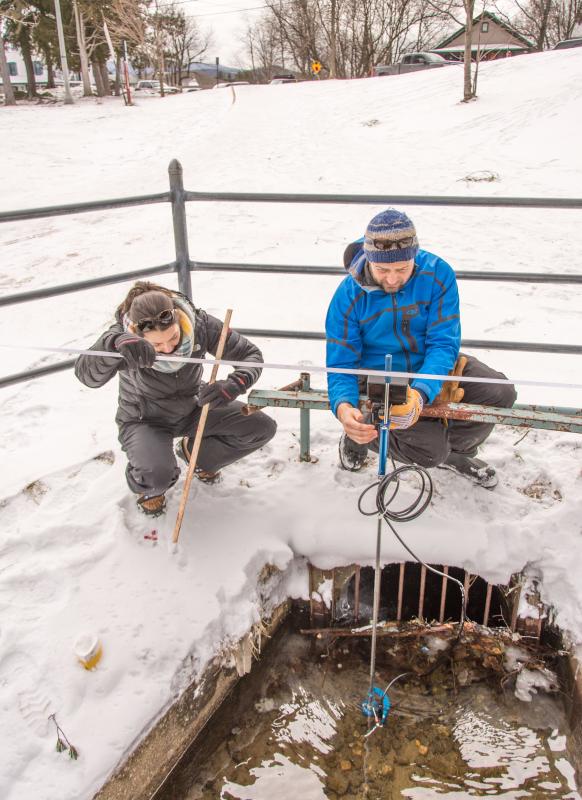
(165, 398)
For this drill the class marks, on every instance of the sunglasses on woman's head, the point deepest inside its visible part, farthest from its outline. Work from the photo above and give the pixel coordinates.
(163, 320)
(395, 244)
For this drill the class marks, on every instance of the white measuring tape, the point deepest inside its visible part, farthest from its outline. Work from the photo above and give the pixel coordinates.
(303, 367)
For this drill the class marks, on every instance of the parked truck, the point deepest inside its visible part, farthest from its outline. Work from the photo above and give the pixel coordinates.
(411, 62)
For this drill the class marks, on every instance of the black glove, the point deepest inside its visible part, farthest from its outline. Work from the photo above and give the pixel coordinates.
(220, 393)
(136, 351)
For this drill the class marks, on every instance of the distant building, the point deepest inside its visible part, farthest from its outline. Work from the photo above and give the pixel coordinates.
(491, 38)
(17, 70)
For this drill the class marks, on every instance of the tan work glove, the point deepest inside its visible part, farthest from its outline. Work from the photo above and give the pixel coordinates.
(406, 414)
(451, 392)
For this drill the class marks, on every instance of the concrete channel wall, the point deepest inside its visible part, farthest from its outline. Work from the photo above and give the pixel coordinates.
(147, 769)
(144, 772)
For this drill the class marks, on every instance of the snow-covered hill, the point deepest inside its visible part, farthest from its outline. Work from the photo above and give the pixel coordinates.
(73, 556)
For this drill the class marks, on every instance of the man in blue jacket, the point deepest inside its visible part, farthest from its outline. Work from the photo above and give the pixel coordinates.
(401, 300)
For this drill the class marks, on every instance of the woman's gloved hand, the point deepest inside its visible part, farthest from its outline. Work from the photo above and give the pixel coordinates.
(136, 351)
(221, 393)
(406, 414)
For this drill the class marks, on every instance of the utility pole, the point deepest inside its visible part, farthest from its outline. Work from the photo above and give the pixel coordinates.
(64, 65)
(281, 33)
(332, 42)
(217, 69)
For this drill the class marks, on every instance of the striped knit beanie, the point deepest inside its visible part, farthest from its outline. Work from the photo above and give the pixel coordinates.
(390, 237)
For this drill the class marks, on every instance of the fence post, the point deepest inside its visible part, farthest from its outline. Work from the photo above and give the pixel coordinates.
(304, 426)
(180, 228)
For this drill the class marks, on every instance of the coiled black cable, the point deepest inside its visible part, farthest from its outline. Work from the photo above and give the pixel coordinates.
(411, 512)
(414, 510)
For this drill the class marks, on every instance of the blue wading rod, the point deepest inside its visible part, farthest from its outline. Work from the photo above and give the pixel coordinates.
(382, 457)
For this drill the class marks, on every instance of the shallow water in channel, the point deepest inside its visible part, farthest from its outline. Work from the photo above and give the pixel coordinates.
(303, 738)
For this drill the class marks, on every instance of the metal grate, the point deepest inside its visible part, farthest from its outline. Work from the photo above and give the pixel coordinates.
(341, 598)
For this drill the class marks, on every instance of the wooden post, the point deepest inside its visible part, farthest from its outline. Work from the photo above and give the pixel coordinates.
(200, 431)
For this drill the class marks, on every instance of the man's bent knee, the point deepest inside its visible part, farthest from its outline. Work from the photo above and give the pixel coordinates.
(425, 444)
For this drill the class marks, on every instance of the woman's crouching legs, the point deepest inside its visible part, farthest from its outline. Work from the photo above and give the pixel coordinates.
(230, 435)
(151, 468)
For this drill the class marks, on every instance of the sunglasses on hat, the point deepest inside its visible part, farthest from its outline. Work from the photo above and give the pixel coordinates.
(394, 244)
(161, 321)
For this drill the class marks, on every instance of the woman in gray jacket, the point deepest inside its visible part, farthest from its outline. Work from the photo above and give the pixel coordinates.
(161, 400)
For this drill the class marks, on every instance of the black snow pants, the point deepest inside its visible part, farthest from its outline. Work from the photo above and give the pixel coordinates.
(430, 441)
(228, 437)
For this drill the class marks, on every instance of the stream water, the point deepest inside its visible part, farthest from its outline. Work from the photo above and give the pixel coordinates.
(303, 737)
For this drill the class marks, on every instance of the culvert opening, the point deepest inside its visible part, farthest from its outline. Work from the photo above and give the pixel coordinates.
(408, 591)
(293, 728)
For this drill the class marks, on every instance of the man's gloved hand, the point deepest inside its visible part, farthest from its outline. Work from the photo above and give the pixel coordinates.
(220, 393)
(136, 351)
(451, 391)
(406, 414)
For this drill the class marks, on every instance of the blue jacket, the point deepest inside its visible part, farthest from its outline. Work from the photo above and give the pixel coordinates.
(419, 325)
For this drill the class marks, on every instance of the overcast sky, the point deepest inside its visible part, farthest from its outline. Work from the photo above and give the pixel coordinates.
(227, 18)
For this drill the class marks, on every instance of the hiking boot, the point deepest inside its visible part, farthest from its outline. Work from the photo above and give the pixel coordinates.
(207, 477)
(474, 469)
(352, 456)
(183, 452)
(153, 506)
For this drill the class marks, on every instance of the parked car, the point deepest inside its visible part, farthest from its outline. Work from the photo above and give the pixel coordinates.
(565, 44)
(277, 79)
(153, 87)
(231, 83)
(191, 85)
(411, 62)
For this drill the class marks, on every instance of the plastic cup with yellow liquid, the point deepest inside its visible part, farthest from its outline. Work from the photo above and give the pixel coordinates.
(88, 650)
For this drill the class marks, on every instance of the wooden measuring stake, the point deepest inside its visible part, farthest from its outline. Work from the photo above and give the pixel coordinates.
(200, 431)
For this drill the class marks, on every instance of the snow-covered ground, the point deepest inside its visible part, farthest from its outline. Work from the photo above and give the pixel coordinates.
(73, 557)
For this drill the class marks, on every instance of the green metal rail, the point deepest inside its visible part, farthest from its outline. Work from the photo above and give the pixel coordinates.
(305, 399)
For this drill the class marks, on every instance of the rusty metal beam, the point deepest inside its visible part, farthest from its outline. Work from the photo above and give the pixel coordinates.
(467, 587)
(443, 594)
(400, 591)
(515, 597)
(487, 604)
(421, 591)
(522, 417)
(357, 594)
(385, 631)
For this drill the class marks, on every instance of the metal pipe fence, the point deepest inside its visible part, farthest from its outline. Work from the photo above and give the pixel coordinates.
(184, 265)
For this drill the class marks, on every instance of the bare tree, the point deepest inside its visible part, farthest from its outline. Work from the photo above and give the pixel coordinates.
(262, 43)
(546, 22)
(530, 19)
(184, 40)
(469, 86)
(350, 36)
(462, 12)
(563, 17)
(9, 99)
(83, 57)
